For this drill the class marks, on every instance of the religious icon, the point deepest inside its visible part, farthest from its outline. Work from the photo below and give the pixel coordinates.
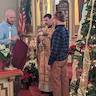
(80, 3)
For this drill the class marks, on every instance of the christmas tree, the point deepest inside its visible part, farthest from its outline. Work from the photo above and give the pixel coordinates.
(84, 57)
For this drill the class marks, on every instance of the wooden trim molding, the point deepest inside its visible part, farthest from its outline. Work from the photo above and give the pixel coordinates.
(2, 88)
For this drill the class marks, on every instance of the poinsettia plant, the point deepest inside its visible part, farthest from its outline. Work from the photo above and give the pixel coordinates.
(4, 55)
(31, 75)
(4, 52)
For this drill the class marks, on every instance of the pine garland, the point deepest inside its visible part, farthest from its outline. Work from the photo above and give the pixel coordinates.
(86, 38)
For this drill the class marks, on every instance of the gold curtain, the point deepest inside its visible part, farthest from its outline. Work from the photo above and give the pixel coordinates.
(38, 15)
(76, 12)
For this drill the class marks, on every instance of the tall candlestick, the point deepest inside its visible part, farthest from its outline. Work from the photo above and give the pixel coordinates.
(10, 66)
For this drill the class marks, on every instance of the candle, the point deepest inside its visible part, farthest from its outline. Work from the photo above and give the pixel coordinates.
(9, 33)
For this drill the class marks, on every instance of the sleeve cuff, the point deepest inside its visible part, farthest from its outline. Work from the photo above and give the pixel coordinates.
(51, 61)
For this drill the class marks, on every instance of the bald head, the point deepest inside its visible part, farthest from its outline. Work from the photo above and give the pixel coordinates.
(10, 16)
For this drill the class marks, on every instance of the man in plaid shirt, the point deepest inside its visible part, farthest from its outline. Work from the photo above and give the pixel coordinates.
(58, 57)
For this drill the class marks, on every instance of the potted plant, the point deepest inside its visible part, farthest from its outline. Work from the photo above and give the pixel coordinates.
(4, 56)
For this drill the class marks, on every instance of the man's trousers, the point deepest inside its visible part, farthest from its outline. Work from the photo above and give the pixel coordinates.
(59, 78)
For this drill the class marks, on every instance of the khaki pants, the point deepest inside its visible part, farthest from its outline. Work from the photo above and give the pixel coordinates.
(59, 79)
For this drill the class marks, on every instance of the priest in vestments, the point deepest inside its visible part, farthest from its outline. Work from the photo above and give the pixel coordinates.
(43, 53)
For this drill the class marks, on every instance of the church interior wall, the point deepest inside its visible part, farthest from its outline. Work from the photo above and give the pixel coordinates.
(48, 6)
(7, 4)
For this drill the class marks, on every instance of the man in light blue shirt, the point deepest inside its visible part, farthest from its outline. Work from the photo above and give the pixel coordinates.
(8, 31)
(9, 35)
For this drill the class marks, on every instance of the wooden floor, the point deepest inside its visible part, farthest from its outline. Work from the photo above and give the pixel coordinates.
(32, 91)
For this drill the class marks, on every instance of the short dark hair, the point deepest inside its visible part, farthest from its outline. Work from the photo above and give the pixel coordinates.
(60, 16)
(48, 15)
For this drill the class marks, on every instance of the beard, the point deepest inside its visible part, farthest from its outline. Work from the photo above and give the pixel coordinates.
(10, 22)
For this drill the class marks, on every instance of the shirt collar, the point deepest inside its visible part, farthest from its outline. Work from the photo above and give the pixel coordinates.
(7, 24)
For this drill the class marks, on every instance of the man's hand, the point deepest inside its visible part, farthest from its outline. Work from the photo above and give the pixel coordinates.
(14, 38)
(49, 67)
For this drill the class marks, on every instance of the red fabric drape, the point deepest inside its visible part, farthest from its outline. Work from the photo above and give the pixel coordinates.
(19, 54)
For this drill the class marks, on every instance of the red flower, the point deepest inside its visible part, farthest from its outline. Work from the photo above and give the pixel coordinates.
(25, 76)
(72, 49)
(82, 46)
(73, 46)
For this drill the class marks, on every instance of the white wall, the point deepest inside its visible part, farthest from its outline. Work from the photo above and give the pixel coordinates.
(7, 4)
